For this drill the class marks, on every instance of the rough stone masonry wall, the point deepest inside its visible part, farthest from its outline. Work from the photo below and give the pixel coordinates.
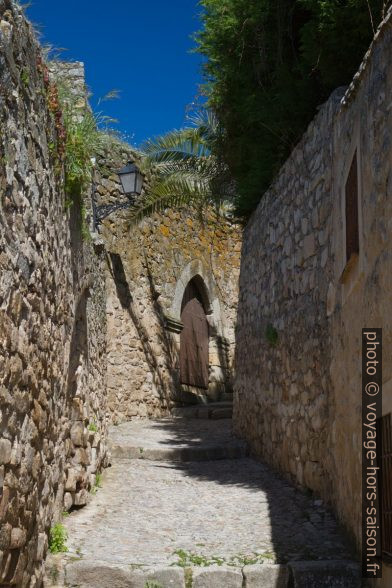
(299, 402)
(52, 320)
(362, 297)
(151, 265)
(281, 390)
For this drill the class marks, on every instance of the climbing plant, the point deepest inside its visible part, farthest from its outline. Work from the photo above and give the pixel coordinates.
(269, 64)
(84, 137)
(81, 135)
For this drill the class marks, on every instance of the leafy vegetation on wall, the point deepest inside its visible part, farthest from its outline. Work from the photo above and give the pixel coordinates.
(270, 63)
(182, 170)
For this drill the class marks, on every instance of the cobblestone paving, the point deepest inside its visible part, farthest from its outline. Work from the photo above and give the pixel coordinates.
(147, 510)
(173, 433)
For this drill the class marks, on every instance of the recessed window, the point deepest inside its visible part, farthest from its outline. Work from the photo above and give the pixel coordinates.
(352, 216)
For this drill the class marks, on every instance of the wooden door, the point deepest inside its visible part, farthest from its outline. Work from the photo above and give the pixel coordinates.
(352, 214)
(194, 340)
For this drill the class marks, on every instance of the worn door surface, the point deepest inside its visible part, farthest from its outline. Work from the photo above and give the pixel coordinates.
(194, 340)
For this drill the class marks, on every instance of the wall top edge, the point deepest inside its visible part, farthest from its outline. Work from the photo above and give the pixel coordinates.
(384, 27)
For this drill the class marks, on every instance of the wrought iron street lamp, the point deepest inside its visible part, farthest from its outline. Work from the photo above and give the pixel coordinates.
(131, 179)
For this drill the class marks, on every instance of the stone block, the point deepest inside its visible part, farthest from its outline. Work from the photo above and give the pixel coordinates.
(54, 572)
(5, 536)
(221, 413)
(309, 248)
(169, 577)
(18, 538)
(217, 577)
(72, 479)
(78, 436)
(287, 246)
(82, 456)
(102, 575)
(42, 544)
(81, 498)
(324, 257)
(5, 451)
(315, 218)
(326, 574)
(4, 502)
(68, 500)
(266, 576)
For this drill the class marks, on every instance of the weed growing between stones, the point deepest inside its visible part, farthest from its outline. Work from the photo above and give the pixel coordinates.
(86, 236)
(97, 484)
(250, 560)
(271, 334)
(57, 539)
(187, 559)
(188, 577)
(83, 139)
(68, 203)
(25, 78)
(153, 584)
(54, 574)
(93, 427)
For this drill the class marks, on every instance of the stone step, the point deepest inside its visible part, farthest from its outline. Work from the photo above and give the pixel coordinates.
(227, 397)
(176, 440)
(214, 410)
(301, 574)
(221, 413)
(202, 453)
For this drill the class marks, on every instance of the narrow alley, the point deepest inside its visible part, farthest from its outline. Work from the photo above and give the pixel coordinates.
(181, 500)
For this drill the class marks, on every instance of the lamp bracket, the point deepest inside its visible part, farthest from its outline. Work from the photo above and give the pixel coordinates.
(101, 212)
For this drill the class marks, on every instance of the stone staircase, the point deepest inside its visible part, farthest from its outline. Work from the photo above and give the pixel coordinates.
(212, 410)
(183, 506)
(168, 441)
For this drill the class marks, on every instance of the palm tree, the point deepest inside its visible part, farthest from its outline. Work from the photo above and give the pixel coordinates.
(182, 169)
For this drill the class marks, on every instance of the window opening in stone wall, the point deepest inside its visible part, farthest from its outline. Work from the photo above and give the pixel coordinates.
(194, 339)
(352, 216)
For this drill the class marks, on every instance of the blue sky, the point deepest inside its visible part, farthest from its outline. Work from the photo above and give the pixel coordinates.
(140, 48)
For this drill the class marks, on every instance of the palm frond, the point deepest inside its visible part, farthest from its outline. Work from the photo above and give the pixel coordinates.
(182, 169)
(207, 167)
(174, 192)
(176, 144)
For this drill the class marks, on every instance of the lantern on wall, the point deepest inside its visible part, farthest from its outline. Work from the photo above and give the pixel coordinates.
(131, 180)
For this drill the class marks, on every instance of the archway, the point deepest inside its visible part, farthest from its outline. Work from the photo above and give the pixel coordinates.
(194, 338)
(219, 358)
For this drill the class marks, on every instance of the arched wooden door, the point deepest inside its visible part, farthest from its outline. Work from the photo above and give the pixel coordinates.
(194, 339)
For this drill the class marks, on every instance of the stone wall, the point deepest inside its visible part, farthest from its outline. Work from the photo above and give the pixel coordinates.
(298, 398)
(52, 319)
(360, 296)
(282, 388)
(150, 267)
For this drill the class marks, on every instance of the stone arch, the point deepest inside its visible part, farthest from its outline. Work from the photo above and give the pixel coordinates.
(194, 336)
(195, 270)
(219, 368)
